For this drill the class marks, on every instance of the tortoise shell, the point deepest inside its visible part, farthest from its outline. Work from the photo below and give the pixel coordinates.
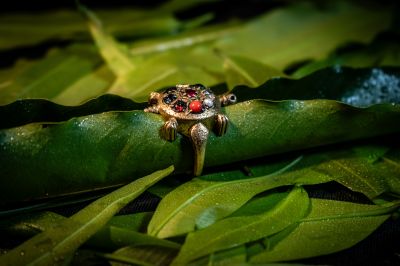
(188, 102)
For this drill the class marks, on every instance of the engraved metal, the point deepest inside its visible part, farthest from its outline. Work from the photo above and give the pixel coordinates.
(192, 110)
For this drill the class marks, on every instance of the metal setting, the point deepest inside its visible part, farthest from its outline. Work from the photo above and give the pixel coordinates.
(192, 110)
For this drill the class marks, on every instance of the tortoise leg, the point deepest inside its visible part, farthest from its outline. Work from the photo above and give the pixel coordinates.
(221, 124)
(169, 129)
(153, 100)
(199, 136)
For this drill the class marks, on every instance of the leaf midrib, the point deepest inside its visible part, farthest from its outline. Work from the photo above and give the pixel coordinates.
(366, 213)
(358, 176)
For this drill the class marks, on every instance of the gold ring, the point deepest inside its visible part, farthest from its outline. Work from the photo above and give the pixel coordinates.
(191, 110)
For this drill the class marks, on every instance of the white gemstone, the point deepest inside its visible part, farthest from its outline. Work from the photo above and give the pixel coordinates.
(208, 102)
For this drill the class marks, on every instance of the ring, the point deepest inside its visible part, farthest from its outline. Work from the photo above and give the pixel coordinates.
(191, 110)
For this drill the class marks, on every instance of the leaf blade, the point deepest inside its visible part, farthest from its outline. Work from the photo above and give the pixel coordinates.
(189, 205)
(347, 231)
(234, 231)
(56, 243)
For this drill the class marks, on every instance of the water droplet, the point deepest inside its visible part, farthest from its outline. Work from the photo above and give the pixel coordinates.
(22, 253)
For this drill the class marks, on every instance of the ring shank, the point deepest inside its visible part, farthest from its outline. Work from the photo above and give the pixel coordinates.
(199, 135)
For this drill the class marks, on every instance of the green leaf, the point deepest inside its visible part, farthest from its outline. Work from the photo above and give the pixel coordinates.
(136, 222)
(28, 225)
(328, 32)
(301, 32)
(200, 203)
(116, 146)
(260, 204)
(48, 78)
(180, 5)
(244, 71)
(87, 257)
(115, 54)
(28, 29)
(120, 231)
(167, 69)
(200, 37)
(377, 54)
(233, 256)
(284, 36)
(357, 172)
(146, 256)
(361, 87)
(23, 112)
(111, 237)
(234, 231)
(135, 80)
(87, 87)
(331, 226)
(229, 257)
(368, 169)
(357, 87)
(56, 243)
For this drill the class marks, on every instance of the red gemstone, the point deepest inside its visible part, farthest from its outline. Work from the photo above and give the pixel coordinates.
(179, 108)
(196, 106)
(191, 93)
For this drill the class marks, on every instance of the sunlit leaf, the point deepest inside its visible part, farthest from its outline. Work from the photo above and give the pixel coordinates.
(113, 53)
(300, 32)
(243, 71)
(169, 69)
(87, 87)
(49, 77)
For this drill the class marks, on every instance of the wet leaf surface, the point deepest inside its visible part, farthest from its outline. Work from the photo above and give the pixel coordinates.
(115, 147)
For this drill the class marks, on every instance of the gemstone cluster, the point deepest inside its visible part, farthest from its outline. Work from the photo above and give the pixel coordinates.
(189, 99)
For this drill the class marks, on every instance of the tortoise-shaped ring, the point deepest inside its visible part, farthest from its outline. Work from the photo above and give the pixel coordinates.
(191, 110)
